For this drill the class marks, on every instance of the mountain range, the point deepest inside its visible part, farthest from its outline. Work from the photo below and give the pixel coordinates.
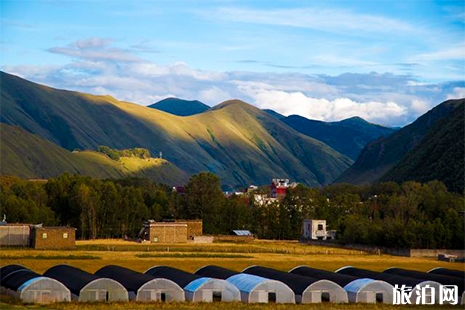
(47, 131)
(238, 142)
(380, 156)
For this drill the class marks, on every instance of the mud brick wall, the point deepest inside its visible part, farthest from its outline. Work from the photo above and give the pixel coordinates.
(53, 238)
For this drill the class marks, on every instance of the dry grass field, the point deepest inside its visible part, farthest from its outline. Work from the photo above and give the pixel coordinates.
(92, 255)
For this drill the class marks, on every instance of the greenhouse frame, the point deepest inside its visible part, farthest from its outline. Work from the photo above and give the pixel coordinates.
(31, 287)
(253, 288)
(370, 291)
(306, 289)
(143, 287)
(448, 272)
(393, 280)
(440, 278)
(197, 288)
(87, 287)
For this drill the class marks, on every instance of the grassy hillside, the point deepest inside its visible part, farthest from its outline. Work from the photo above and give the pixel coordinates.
(439, 156)
(348, 136)
(240, 143)
(380, 156)
(180, 107)
(30, 156)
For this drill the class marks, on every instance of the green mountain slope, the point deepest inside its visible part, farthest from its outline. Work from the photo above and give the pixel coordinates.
(348, 136)
(439, 156)
(30, 156)
(180, 107)
(380, 156)
(240, 143)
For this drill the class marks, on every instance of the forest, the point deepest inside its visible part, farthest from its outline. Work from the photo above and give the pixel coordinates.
(407, 215)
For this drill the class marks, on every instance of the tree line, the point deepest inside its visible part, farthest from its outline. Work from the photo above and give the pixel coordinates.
(409, 215)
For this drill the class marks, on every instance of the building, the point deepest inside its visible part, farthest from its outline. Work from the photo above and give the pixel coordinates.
(198, 288)
(315, 230)
(194, 227)
(45, 238)
(177, 231)
(279, 187)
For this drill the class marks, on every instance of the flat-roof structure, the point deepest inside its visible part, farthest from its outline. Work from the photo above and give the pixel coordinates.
(143, 287)
(87, 287)
(197, 288)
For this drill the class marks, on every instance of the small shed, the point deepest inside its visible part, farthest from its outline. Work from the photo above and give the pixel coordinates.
(31, 287)
(392, 279)
(373, 291)
(197, 288)
(87, 287)
(306, 289)
(45, 238)
(143, 287)
(253, 288)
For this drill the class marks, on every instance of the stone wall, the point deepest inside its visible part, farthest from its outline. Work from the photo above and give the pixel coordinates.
(194, 227)
(168, 232)
(53, 238)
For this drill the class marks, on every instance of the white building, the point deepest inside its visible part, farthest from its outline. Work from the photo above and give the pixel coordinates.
(316, 230)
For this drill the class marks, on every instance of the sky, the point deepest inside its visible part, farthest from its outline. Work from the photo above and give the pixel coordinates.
(385, 61)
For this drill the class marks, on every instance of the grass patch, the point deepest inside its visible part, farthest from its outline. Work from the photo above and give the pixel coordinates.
(52, 257)
(193, 255)
(212, 306)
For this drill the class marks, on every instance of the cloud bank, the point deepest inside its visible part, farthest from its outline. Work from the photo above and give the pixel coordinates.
(96, 66)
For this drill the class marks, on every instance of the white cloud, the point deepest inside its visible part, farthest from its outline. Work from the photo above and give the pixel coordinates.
(97, 67)
(333, 20)
(289, 103)
(458, 93)
(456, 52)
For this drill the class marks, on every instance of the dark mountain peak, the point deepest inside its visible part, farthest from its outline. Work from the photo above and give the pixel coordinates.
(180, 107)
(348, 136)
(274, 113)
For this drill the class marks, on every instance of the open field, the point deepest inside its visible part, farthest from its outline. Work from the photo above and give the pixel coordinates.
(280, 255)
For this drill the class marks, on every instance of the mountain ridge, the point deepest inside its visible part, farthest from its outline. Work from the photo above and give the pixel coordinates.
(239, 142)
(180, 107)
(378, 157)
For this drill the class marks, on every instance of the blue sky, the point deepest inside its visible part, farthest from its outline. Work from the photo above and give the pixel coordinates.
(386, 61)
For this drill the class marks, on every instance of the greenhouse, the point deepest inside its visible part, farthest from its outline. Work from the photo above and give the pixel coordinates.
(197, 288)
(87, 287)
(448, 272)
(31, 287)
(393, 280)
(443, 279)
(306, 289)
(143, 287)
(366, 291)
(253, 288)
